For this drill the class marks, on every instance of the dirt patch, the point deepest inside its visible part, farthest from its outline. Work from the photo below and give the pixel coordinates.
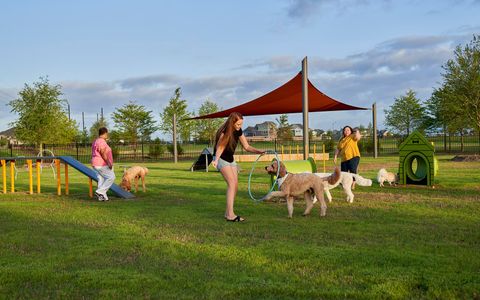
(467, 158)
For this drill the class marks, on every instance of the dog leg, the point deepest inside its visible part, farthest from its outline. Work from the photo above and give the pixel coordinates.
(329, 196)
(143, 184)
(274, 194)
(309, 201)
(290, 206)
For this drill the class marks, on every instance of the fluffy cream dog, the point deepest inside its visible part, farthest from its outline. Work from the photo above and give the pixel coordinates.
(133, 173)
(346, 180)
(383, 175)
(291, 185)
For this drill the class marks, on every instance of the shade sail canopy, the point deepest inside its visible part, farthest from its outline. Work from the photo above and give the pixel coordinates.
(285, 99)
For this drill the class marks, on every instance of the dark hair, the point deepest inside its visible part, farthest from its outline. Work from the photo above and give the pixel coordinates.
(227, 129)
(102, 130)
(343, 129)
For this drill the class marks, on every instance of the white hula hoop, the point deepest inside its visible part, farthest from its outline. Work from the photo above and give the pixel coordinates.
(251, 172)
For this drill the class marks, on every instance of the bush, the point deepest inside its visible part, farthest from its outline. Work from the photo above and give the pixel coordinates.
(156, 150)
(179, 149)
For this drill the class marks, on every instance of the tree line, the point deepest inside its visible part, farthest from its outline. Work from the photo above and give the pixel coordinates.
(454, 107)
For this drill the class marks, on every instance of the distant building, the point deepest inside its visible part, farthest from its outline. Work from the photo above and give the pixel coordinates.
(9, 135)
(297, 130)
(266, 131)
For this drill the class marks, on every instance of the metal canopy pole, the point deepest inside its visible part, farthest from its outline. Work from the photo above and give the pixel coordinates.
(305, 107)
(374, 133)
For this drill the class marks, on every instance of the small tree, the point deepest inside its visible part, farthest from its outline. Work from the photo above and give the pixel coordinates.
(96, 126)
(405, 114)
(134, 123)
(284, 131)
(207, 128)
(42, 115)
(178, 107)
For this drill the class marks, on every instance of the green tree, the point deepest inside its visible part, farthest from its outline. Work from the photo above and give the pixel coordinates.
(96, 126)
(284, 131)
(207, 128)
(461, 81)
(178, 107)
(133, 123)
(405, 114)
(42, 115)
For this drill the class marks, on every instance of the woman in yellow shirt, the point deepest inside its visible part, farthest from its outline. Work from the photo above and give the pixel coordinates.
(347, 148)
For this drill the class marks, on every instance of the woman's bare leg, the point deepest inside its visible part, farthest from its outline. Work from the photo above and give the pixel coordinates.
(231, 178)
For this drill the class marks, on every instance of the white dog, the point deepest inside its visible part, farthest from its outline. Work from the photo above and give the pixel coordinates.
(383, 176)
(346, 180)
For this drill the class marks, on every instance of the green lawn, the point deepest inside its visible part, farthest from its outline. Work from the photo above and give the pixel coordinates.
(172, 242)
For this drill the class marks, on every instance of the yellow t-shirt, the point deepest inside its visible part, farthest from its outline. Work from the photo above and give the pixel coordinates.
(348, 148)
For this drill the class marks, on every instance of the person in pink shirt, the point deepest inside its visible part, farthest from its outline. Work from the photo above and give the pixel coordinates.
(102, 162)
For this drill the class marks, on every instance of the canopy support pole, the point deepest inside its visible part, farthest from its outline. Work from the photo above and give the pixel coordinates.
(305, 108)
(374, 133)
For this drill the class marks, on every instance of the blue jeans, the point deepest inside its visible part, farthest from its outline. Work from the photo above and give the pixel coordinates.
(350, 165)
(105, 177)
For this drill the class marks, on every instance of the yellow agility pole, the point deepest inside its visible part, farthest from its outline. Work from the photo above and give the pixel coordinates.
(90, 188)
(66, 179)
(4, 175)
(314, 151)
(59, 186)
(282, 152)
(38, 175)
(323, 157)
(12, 175)
(30, 176)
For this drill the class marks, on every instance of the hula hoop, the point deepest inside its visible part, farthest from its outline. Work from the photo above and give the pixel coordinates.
(251, 172)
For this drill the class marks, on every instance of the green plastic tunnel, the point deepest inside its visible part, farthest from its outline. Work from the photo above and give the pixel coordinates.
(298, 166)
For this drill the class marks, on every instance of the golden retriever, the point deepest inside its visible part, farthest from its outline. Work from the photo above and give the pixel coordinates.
(291, 185)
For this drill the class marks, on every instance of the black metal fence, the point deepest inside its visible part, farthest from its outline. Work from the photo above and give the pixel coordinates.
(155, 151)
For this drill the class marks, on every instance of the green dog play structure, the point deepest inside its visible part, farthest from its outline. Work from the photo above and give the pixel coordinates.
(417, 161)
(298, 166)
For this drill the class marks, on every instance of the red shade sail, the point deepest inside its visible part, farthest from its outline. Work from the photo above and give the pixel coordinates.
(285, 99)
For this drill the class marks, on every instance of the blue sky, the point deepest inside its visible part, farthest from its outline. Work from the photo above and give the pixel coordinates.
(106, 53)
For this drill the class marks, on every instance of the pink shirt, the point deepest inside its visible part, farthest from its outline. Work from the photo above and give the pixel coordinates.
(97, 159)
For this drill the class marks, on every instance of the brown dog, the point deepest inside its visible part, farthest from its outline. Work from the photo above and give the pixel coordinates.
(133, 173)
(291, 185)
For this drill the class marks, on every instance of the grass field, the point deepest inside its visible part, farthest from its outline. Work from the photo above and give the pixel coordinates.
(172, 242)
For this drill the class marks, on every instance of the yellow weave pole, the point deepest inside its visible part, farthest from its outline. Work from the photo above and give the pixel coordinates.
(90, 188)
(4, 175)
(314, 151)
(38, 166)
(30, 176)
(323, 157)
(59, 183)
(12, 176)
(290, 150)
(66, 179)
(282, 152)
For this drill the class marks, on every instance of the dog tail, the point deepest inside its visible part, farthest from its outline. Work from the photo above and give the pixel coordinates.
(146, 170)
(335, 177)
(361, 181)
(382, 173)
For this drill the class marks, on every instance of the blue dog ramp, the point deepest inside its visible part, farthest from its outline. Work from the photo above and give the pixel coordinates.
(93, 175)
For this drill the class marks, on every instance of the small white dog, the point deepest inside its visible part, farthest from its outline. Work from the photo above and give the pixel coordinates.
(383, 176)
(346, 180)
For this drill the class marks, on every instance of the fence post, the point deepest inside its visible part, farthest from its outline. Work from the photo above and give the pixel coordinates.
(142, 150)
(76, 146)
